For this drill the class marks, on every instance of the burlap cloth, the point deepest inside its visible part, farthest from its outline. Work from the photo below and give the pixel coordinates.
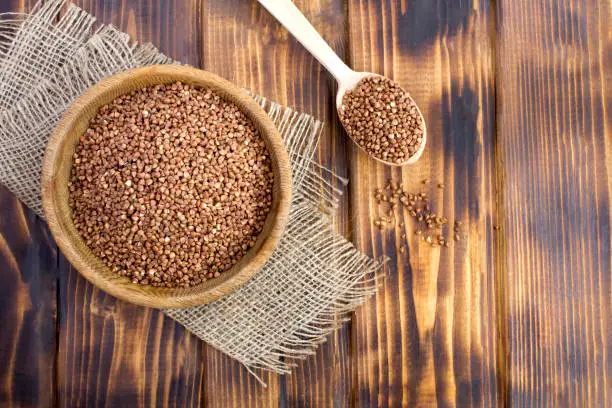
(50, 56)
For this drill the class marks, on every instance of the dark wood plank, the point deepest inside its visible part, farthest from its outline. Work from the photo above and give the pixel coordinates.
(229, 384)
(325, 379)
(554, 136)
(112, 353)
(28, 271)
(428, 338)
(171, 25)
(242, 42)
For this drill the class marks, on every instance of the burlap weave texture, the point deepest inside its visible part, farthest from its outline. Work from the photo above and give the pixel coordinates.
(49, 57)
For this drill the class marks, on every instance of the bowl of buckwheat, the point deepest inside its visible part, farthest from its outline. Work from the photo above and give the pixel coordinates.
(166, 186)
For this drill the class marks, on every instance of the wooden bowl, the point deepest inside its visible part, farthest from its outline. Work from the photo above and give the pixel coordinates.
(57, 166)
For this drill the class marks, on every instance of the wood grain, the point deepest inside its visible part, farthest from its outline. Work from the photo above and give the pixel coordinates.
(171, 25)
(427, 338)
(241, 41)
(112, 353)
(554, 136)
(516, 99)
(326, 379)
(29, 273)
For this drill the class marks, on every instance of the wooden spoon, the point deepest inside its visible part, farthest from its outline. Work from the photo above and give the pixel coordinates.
(295, 22)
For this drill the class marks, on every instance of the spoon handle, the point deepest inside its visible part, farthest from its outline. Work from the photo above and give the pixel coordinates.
(294, 21)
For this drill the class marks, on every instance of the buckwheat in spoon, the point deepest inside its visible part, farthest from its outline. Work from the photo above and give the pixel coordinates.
(376, 112)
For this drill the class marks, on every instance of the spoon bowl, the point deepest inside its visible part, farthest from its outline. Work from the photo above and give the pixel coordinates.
(348, 82)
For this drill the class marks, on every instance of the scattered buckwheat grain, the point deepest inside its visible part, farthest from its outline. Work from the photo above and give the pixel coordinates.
(171, 185)
(418, 206)
(382, 118)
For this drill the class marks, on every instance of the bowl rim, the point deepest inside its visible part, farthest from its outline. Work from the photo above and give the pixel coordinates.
(147, 295)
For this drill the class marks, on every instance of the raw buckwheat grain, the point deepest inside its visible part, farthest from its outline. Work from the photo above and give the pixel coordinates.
(171, 185)
(382, 118)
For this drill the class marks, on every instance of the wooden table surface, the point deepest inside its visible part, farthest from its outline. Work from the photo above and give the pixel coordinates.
(516, 95)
